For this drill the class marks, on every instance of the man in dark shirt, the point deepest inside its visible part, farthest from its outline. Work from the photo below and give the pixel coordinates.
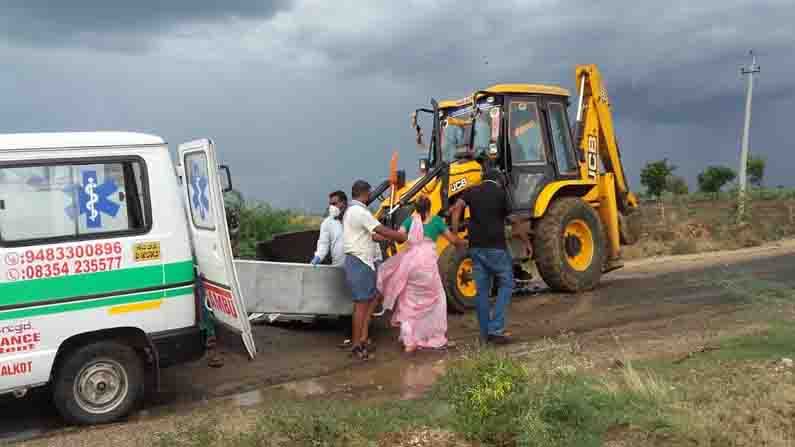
(488, 209)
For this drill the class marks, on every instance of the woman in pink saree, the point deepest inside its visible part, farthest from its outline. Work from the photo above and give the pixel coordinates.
(411, 284)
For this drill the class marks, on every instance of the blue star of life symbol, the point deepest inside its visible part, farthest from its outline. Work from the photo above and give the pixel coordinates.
(93, 200)
(199, 183)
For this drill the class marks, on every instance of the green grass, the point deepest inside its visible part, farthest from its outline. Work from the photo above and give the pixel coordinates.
(500, 401)
(259, 222)
(734, 395)
(751, 194)
(773, 343)
(723, 397)
(753, 290)
(311, 423)
(486, 398)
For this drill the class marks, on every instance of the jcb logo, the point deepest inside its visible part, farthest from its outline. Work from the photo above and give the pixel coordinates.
(458, 185)
(593, 156)
(603, 96)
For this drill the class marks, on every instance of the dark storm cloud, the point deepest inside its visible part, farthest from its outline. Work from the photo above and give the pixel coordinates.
(305, 97)
(657, 58)
(117, 25)
(672, 68)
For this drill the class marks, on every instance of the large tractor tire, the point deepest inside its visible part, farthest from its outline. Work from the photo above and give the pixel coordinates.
(570, 246)
(455, 267)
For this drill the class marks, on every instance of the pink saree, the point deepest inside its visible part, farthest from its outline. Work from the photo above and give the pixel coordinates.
(411, 285)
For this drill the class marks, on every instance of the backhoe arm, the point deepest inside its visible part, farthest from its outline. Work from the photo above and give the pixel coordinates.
(595, 137)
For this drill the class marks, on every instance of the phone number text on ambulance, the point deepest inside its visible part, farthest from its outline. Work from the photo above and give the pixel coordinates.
(60, 261)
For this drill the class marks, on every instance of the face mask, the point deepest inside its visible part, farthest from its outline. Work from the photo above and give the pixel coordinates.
(333, 211)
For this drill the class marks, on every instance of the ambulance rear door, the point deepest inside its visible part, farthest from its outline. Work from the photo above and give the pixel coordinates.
(213, 251)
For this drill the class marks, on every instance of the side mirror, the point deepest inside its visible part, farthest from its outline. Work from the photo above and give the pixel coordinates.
(417, 129)
(226, 178)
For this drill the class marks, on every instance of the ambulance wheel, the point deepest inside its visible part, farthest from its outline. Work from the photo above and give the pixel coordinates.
(570, 246)
(455, 268)
(98, 383)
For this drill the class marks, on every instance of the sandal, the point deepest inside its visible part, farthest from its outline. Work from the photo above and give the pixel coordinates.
(348, 344)
(360, 353)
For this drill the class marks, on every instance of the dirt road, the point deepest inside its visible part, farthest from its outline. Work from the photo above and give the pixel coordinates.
(644, 291)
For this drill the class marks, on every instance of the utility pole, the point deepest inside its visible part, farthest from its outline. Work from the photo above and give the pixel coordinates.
(750, 70)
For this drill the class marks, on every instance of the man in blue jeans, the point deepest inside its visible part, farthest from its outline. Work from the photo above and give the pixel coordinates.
(488, 210)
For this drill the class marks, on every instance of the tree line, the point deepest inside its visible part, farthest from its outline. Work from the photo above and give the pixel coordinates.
(658, 177)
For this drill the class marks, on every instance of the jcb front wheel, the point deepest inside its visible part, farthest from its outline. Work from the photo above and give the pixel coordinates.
(570, 246)
(455, 267)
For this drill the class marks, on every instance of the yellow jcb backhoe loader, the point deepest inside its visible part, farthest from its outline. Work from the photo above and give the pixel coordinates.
(569, 188)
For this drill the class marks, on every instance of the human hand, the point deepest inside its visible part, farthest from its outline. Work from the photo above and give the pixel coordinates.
(378, 238)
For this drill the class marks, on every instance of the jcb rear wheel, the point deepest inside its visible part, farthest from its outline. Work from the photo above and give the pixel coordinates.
(570, 246)
(456, 269)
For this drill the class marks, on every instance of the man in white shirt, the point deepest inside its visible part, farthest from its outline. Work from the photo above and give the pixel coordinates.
(330, 240)
(359, 229)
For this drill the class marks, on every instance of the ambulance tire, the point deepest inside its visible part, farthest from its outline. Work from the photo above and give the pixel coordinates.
(112, 379)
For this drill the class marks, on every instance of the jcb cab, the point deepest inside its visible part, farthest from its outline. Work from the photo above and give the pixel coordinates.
(101, 274)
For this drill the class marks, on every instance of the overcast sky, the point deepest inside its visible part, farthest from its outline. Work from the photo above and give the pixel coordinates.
(305, 96)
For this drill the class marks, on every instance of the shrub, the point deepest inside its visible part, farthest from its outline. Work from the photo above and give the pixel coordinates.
(259, 222)
(486, 391)
(500, 401)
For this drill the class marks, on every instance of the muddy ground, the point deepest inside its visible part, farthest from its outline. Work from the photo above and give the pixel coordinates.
(665, 305)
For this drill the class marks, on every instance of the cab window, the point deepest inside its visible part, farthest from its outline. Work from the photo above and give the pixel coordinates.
(524, 135)
(452, 139)
(561, 139)
(455, 135)
(482, 129)
(70, 201)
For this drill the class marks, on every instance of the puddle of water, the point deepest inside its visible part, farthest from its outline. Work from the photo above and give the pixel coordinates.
(407, 380)
(249, 398)
(417, 379)
(306, 388)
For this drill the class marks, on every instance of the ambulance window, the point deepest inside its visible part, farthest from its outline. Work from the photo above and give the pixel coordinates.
(199, 190)
(71, 201)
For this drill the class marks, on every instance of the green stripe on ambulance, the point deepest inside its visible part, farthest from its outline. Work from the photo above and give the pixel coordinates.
(100, 283)
(95, 303)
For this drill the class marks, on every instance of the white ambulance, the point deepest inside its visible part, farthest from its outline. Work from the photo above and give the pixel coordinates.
(102, 268)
